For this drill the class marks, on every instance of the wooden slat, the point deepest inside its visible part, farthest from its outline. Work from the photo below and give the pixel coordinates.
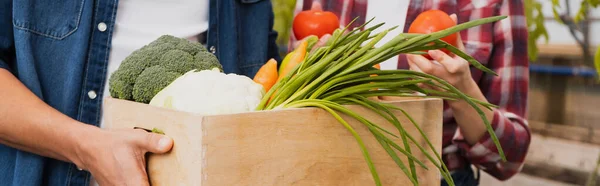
(568, 132)
(561, 160)
(561, 50)
(520, 180)
(553, 161)
(556, 173)
(564, 153)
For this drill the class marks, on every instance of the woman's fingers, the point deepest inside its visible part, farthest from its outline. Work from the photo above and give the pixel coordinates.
(452, 65)
(322, 41)
(459, 42)
(316, 5)
(421, 63)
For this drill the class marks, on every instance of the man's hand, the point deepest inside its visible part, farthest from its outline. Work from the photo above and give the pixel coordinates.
(114, 157)
(117, 157)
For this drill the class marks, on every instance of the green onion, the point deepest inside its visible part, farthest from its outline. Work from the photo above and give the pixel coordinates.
(340, 73)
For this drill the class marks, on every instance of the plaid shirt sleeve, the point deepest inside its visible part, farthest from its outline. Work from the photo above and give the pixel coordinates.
(506, 52)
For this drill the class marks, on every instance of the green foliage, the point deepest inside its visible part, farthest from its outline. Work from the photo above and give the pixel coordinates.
(585, 5)
(535, 25)
(555, 7)
(597, 61)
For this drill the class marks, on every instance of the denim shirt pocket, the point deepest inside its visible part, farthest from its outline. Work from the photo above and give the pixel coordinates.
(54, 19)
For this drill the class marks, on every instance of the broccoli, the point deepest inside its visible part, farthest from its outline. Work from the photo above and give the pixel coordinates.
(151, 68)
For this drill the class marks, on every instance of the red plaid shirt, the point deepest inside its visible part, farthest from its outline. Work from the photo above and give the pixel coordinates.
(502, 47)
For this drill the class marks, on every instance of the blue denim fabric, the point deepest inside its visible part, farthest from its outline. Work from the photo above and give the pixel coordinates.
(56, 50)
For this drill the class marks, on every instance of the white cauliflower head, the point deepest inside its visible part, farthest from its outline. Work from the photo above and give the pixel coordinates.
(210, 92)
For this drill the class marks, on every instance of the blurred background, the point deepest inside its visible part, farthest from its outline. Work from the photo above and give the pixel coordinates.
(564, 93)
(564, 96)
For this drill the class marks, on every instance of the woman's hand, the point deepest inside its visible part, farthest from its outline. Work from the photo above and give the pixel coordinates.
(451, 68)
(455, 70)
(315, 6)
(117, 157)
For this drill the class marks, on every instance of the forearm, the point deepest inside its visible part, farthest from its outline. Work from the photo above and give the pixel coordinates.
(468, 119)
(510, 128)
(29, 124)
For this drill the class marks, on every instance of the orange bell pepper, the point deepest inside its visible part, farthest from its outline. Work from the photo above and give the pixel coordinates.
(267, 75)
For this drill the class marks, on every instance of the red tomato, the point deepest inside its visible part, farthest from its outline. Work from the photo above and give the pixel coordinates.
(433, 21)
(315, 22)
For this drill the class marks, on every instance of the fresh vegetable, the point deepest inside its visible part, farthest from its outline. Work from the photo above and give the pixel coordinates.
(339, 73)
(267, 74)
(311, 40)
(295, 59)
(284, 63)
(342, 72)
(432, 21)
(314, 22)
(151, 68)
(210, 92)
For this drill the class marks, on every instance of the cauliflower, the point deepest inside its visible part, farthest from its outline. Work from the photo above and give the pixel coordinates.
(151, 68)
(210, 92)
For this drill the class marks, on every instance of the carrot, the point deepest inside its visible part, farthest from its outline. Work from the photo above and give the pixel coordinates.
(377, 66)
(296, 58)
(267, 74)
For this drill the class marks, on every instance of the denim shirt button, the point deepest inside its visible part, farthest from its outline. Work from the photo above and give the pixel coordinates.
(213, 49)
(102, 26)
(92, 94)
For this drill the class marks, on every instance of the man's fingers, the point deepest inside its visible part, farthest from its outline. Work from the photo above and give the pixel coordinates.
(155, 143)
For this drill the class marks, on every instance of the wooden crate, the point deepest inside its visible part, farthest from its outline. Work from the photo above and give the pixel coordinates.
(286, 147)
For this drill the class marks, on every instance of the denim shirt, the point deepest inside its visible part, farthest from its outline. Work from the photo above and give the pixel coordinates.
(57, 49)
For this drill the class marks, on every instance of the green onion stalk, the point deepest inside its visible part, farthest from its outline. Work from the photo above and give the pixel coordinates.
(341, 73)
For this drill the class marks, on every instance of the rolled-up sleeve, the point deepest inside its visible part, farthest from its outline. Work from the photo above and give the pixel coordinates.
(514, 137)
(508, 90)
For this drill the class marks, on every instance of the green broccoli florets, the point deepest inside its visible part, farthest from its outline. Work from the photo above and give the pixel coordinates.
(207, 61)
(151, 68)
(152, 81)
